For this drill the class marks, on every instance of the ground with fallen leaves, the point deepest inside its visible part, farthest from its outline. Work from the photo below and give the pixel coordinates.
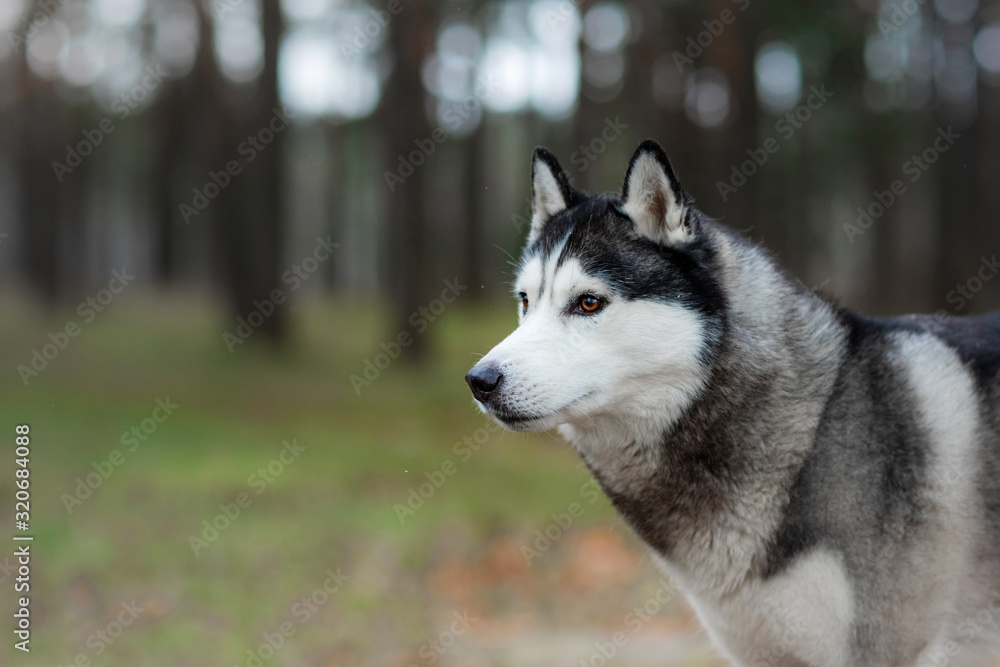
(512, 558)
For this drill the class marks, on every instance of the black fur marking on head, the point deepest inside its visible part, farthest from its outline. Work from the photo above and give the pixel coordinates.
(603, 239)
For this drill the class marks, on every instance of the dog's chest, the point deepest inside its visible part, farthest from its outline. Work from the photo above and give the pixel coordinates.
(623, 465)
(802, 616)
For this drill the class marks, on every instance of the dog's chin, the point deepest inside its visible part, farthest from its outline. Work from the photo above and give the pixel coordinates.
(524, 423)
(527, 424)
(532, 422)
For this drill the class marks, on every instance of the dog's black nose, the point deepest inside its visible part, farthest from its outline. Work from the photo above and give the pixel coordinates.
(482, 381)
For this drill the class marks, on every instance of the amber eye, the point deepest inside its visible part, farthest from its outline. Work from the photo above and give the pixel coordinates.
(524, 302)
(590, 303)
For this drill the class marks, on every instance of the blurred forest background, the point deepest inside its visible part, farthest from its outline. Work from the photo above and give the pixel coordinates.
(412, 124)
(183, 180)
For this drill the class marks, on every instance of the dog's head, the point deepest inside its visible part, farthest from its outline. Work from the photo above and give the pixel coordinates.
(617, 302)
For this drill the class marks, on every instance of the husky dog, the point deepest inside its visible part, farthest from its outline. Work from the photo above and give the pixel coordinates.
(824, 487)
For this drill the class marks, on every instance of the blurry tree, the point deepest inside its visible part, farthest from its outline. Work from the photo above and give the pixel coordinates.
(955, 113)
(68, 225)
(40, 120)
(404, 124)
(475, 213)
(253, 216)
(167, 125)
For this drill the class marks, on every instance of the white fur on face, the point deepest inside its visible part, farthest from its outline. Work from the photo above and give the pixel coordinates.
(634, 363)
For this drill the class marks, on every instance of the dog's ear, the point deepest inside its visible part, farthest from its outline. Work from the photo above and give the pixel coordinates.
(653, 198)
(551, 192)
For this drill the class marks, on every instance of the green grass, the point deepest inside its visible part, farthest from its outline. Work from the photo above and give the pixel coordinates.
(331, 507)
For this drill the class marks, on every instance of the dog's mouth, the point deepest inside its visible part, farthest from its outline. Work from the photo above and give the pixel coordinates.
(512, 418)
(522, 421)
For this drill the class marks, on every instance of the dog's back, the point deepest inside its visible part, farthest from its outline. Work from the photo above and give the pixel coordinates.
(903, 481)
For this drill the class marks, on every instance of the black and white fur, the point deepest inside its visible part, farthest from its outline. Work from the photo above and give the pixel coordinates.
(824, 487)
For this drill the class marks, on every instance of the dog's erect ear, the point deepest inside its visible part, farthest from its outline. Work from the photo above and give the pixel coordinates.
(653, 197)
(551, 192)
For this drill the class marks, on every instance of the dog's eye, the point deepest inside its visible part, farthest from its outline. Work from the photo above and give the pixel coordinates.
(524, 302)
(590, 304)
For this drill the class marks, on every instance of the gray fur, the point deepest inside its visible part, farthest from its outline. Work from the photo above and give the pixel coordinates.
(831, 478)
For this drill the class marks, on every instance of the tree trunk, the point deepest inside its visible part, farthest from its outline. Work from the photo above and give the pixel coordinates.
(167, 125)
(40, 117)
(253, 204)
(404, 116)
(475, 194)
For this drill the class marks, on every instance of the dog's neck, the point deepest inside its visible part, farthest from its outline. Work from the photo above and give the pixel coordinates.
(689, 479)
